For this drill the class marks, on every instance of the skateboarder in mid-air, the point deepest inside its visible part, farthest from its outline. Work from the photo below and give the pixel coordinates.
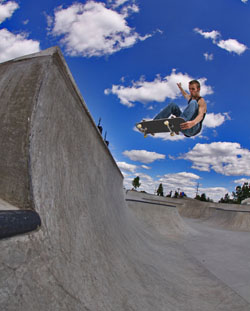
(194, 114)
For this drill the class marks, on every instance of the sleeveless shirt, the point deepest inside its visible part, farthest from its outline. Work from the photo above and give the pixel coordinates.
(200, 123)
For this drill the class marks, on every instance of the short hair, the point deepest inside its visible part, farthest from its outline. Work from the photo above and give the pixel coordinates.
(195, 82)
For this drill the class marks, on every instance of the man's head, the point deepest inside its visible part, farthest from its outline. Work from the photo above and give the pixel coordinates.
(194, 88)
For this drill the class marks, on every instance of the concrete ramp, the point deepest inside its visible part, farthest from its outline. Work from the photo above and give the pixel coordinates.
(228, 216)
(90, 253)
(159, 214)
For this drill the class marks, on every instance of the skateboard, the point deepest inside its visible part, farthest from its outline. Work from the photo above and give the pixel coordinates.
(171, 125)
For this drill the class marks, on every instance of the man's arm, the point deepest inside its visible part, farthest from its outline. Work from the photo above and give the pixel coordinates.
(202, 110)
(185, 94)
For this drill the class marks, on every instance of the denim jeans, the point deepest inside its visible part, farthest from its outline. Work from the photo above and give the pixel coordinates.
(189, 114)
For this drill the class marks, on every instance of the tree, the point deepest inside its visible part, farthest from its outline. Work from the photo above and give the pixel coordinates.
(160, 190)
(226, 199)
(197, 197)
(203, 198)
(241, 193)
(136, 182)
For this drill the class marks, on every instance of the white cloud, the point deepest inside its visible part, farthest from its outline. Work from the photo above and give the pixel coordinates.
(117, 3)
(15, 45)
(50, 21)
(214, 34)
(127, 167)
(182, 182)
(146, 167)
(187, 182)
(241, 181)
(147, 182)
(213, 120)
(225, 158)
(208, 57)
(244, 1)
(92, 29)
(167, 136)
(157, 90)
(232, 45)
(7, 10)
(143, 156)
(179, 180)
(214, 193)
(163, 136)
(145, 177)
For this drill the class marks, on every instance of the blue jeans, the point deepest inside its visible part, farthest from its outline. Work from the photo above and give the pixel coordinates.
(189, 114)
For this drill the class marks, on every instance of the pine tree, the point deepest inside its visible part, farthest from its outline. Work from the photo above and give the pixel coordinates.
(160, 190)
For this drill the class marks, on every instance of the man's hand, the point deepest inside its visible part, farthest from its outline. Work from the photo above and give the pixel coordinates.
(187, 125)
(185, 94)
(179, 85)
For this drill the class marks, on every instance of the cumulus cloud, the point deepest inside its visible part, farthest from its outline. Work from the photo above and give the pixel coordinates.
(127, 167)
(157, 90)
(241, 181)
(231, 45)
(15, 45)
(182, 182)
(213, 120)
(244, 1)
(187, 182)
(214, 193)
(143, 156)
(179, 180)
(167, 136)
(226, 158)
(93, 29)
(7, 10)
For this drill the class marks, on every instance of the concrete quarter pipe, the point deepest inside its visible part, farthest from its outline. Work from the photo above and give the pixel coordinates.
(90, 253)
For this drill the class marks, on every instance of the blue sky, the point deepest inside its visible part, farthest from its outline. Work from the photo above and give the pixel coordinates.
(127, 56)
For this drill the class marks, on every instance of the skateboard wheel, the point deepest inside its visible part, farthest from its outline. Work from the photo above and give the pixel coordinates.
(145, 135)
(166, 123)
(171, 134)
(139, 126)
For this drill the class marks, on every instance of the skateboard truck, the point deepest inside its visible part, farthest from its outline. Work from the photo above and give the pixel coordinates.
(172, 133)
(139, 126)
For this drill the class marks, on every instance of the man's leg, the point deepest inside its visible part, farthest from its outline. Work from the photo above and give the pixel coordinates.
(172, 108)
(189, 114)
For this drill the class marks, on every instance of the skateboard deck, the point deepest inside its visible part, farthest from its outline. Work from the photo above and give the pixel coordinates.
(171, 125)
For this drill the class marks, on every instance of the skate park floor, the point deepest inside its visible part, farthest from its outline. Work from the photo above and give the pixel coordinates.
(224, 252)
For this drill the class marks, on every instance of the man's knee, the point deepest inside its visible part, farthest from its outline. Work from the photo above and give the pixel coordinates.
(173, 105)
(175, 109)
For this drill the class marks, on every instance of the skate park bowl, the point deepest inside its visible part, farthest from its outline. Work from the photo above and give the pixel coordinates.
(85, 244)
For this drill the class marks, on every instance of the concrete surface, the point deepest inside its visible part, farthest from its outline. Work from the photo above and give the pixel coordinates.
(92, 252)
(214, 236)
(246, 201)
